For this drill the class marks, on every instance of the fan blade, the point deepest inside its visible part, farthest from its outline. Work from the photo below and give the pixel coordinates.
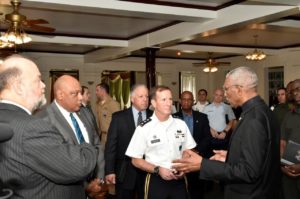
(41, 28)
(36, 21)
(198, 64)
(223, 63)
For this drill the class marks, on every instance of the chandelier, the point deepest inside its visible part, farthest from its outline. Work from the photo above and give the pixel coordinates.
(256, 55)
(5, 44)
(15, 35)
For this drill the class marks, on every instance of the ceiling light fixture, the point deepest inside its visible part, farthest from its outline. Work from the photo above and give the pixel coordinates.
(210, 69)
(256, 55)
(5, 44)
(15, 35)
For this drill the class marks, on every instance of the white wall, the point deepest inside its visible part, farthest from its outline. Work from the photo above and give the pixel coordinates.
(168, 68)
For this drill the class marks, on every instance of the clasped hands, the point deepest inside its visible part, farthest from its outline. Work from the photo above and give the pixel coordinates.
(191, 161)
(96, 189)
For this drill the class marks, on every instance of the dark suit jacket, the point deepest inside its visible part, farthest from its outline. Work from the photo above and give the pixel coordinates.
(201, 132)
(37, 162)
(53, 115)
(252, 168)
(6, 132)
(120, 131)
(90, 117)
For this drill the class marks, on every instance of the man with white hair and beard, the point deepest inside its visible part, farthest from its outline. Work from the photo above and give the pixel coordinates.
(36, 162)
(251, 167)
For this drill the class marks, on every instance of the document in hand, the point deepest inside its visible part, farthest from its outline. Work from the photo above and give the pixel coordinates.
(291, 154)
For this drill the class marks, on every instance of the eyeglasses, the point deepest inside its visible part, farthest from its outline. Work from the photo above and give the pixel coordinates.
(227, 88)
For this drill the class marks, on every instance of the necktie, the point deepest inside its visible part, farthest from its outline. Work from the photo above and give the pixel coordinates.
(139, 119)
(77, 129)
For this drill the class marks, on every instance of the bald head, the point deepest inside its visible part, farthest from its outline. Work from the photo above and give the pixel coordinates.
(218, 96)
(20, 82)
(67, 93)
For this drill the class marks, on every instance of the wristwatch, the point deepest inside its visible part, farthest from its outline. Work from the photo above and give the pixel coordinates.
(156, 170)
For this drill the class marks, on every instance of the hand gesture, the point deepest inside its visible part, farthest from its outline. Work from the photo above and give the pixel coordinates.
(191, 161)
(220, 155)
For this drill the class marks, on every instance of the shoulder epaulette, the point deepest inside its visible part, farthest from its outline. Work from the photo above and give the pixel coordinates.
(145, 121)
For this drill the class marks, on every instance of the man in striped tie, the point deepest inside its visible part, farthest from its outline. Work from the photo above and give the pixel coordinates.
(66, 115)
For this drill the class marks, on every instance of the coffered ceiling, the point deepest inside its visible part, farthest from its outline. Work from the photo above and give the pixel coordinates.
(102, 30)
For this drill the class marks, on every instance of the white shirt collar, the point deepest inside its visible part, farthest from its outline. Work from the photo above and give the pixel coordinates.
(18, 105)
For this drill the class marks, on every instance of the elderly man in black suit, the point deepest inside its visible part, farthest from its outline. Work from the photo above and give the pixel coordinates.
(251, 166)
(36, 162)
(68, 103)
(118, 168)
(199, 127)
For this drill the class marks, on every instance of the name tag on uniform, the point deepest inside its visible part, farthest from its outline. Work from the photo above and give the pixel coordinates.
(155, 141)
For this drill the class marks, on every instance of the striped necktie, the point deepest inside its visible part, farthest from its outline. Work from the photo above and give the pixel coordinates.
(139, 119)
(77, 129)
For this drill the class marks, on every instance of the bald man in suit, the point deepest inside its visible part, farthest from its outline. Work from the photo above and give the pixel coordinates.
(68, 100)
(36, 162)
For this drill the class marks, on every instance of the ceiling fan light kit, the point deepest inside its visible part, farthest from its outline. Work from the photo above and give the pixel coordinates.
(16, 35)
(210, 69)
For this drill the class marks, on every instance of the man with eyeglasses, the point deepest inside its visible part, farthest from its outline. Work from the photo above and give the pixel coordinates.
(290, 130)
(251, 166)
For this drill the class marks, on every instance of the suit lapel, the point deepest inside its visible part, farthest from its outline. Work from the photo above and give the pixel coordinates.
(130, 121)
(63, 127)
(86, 122)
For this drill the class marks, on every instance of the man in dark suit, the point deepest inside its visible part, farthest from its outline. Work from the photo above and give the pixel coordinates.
(251, 167)
(68, 100)
(86, 107)
(199, 127)
(118, 168)
(36, 162)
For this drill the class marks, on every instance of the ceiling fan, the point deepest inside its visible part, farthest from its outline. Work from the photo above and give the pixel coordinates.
(15, 18)
(210, 64)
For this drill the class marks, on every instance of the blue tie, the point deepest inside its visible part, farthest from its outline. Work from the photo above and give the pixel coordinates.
(77, 129)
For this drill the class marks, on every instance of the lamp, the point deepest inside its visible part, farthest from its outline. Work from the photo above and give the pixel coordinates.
(211, 69)
(256, 55)
(210, 65)
(15, 35)
(5, 44)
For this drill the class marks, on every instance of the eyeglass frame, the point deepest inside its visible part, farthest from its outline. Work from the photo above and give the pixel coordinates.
(225, 89)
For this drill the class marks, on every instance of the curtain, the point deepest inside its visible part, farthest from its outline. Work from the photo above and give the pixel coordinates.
(119, 86)
(188, 82)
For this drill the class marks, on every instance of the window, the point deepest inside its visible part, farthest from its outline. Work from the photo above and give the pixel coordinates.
(188, 82)
(275, 81)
